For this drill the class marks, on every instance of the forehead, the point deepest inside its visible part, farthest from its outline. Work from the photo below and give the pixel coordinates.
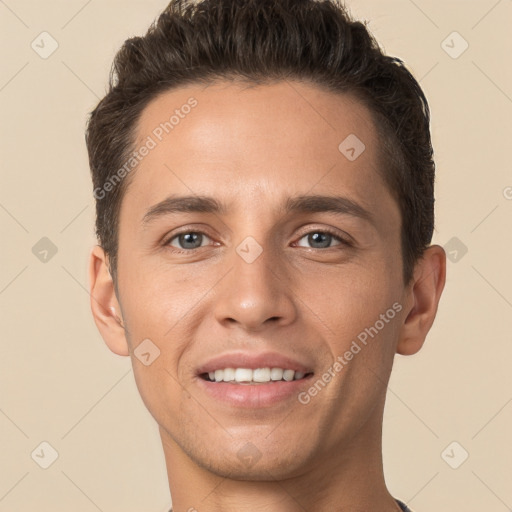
(264, 141)
(202, 114)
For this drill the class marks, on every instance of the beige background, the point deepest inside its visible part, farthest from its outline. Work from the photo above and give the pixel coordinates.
(60, 384)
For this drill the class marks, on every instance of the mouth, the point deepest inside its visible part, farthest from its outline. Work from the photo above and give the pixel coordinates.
(257, 376)
(253, 380)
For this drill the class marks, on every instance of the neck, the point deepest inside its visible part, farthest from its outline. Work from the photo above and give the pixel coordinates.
(347, 478)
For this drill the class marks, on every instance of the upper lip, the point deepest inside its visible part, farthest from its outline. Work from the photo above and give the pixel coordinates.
(252, 361)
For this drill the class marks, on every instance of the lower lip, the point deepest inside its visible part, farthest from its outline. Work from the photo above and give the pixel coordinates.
(254, 395)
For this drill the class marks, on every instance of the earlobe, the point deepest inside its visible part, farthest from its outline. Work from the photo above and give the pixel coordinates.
(424, 295)
(104, 305)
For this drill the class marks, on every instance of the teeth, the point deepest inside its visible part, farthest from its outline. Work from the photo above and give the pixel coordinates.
(242, 374)
(259, 375)
(229, 374)
(276, 374)
(288, 375)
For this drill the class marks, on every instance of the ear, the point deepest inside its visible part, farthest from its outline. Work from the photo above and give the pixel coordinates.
(104, 305)
(423, 298)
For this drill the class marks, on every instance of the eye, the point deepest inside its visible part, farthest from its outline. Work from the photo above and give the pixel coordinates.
(188, 240)
(321, 239)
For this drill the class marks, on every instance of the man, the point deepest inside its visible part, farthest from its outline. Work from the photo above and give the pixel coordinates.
(263, 177)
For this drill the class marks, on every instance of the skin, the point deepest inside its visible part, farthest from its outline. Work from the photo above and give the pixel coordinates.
(252, 147)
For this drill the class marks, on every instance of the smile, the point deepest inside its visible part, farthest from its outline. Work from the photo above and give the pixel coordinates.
(253, 376)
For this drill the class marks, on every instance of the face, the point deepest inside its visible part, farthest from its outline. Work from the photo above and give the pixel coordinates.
(285, 255)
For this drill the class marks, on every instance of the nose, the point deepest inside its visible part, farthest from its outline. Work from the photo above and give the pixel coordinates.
(256, 295)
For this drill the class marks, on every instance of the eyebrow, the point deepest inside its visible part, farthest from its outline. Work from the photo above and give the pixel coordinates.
(299, 204)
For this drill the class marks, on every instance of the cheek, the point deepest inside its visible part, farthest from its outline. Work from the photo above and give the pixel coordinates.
(156, 297)
(161, 305)
(160, 389)
(158, 304)
(358, 307)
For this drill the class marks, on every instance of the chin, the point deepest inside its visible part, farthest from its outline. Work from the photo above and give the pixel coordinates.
(251, 460)
(262, 470)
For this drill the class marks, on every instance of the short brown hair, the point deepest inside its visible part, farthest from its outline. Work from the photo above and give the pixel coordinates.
(263, 41)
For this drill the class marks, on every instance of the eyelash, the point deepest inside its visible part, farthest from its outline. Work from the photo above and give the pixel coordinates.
(343, 241)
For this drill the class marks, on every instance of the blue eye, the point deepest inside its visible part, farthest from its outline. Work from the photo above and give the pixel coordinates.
(321, 239)
(188, 240)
